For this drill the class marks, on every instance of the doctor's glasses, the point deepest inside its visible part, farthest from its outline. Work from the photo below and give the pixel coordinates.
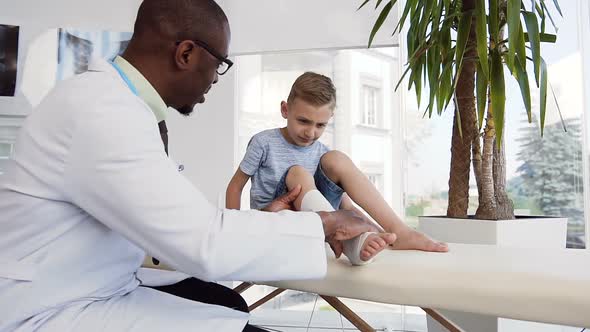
(224, 63)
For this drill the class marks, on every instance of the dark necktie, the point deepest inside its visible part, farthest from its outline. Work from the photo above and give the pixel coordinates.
(164, 134)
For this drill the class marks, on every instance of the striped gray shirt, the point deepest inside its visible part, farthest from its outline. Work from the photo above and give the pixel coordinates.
(269, 156)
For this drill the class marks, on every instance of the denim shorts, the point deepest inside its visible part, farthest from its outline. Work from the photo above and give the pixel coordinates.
(331, 191)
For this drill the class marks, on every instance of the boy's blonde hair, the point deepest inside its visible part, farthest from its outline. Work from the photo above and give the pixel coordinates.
(315, 89)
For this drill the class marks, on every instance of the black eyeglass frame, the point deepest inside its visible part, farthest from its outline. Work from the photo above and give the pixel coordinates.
(211, 51)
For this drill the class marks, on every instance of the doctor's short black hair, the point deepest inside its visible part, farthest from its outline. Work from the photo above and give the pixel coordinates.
(179, 19)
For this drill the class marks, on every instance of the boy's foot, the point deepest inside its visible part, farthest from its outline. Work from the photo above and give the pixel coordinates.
(375, 243)
(414, 240)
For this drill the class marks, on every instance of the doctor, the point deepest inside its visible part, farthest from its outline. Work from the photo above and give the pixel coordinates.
(90, 191)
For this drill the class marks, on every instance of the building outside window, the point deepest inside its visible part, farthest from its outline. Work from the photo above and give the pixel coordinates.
(370, 97)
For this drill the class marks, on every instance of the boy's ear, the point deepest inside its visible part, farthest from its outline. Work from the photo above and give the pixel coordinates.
(284, 109)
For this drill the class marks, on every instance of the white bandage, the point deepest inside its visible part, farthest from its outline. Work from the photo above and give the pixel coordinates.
(353, 247)
(315, 201)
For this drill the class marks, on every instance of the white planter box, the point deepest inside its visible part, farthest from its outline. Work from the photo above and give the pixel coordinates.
(531, 232)
(528, 232)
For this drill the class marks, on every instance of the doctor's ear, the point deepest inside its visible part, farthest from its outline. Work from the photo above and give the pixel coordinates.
(185, 54)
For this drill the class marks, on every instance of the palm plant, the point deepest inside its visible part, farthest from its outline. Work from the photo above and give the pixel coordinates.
(459, 49)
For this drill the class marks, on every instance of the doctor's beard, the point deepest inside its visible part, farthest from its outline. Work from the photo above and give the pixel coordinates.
(185, 110)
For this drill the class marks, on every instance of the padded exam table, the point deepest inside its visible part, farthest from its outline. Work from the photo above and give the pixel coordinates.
(540, 285)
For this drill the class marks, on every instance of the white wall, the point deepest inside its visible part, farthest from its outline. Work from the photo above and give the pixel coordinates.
(257, 25)
(204, 141)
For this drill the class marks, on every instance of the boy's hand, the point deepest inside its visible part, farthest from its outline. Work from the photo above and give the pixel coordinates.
(285, 202)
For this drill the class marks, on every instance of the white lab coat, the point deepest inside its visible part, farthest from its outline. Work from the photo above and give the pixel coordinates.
(91, 190)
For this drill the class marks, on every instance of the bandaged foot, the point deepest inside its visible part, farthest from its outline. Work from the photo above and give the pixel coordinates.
(362, 249)
(359, 250)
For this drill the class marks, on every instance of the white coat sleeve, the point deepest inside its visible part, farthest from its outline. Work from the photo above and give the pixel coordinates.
(119, 174)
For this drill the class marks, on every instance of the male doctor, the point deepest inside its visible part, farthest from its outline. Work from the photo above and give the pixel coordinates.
(90, 191)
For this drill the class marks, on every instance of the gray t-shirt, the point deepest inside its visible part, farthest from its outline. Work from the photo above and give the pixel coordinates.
(269, 156)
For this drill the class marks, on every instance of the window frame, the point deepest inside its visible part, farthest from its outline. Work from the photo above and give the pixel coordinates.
(371, 168)
(370, 101)
(369, 82)
(584, 47)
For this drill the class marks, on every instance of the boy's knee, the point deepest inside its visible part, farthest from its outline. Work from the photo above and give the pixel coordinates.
(296, 174)
(334, 163)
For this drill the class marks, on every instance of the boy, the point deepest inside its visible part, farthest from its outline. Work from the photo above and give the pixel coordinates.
(277, 160)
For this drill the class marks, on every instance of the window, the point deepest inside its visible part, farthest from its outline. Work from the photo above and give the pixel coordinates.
(370, 96)
(544, 175)
(376, 180)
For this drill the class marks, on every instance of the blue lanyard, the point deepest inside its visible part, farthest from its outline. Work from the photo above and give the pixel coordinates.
(125, 78)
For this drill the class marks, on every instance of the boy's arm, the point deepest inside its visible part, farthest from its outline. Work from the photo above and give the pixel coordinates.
(233, 194)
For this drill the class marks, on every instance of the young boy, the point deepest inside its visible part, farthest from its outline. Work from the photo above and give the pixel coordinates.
(277, 160)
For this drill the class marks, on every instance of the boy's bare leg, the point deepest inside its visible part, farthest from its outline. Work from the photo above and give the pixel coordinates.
(374, 242)
(340, 169)
(299, 175)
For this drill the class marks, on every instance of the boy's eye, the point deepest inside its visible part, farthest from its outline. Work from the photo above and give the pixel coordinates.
(322, 125)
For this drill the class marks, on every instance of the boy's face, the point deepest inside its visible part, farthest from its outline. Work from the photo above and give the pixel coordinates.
(305, 122)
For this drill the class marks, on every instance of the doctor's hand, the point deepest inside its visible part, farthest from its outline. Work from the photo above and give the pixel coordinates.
(344, 225)
(284, 202)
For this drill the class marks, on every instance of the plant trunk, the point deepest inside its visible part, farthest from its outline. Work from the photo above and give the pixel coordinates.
(477, 158)
(461, 146)
(504, 205)
(494, 203)
(487, 197)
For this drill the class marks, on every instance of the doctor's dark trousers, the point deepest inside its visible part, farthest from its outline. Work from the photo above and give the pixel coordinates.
(211, 293)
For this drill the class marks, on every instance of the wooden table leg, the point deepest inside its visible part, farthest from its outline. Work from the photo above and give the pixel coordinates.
(345, 311)
(243, 286)
(442, 320)
(267, 298)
